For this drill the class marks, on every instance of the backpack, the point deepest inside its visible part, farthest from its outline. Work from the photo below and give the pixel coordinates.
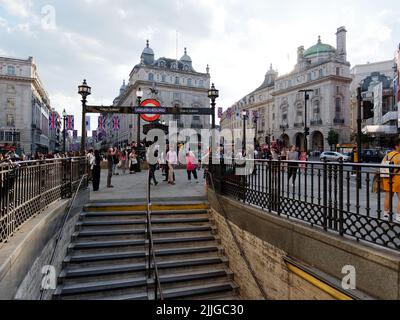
(385, 172)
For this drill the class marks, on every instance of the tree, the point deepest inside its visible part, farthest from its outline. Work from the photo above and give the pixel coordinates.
(333, 138)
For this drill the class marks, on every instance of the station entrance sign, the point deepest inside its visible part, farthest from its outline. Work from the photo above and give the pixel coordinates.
(151, 105)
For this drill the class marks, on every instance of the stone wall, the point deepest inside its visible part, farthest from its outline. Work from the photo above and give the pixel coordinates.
(267, 262)
(267, 239)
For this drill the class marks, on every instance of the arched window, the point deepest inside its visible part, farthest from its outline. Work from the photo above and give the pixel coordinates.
(151, 77)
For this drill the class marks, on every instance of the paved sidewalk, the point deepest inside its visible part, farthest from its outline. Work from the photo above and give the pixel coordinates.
(133, 187)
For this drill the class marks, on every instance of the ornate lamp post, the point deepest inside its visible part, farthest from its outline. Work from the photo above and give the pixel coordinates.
(84, 90)
(213, 94)
(64, 114)
(306, 128)
(139, 96)
(244, 114)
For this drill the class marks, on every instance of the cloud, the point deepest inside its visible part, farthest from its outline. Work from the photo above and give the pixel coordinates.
(102, 40)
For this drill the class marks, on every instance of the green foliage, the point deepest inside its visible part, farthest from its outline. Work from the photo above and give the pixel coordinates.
(333, 138)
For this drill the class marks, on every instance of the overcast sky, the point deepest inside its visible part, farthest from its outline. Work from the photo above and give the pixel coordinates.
(102, 40)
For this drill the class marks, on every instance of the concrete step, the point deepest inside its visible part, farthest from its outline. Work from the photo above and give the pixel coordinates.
(69, 273)
(185, 292)
(83, 288)
(138, 254)
(94, 214)
(139, 231)
(95, 223)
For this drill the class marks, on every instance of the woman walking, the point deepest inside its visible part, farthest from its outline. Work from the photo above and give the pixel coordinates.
(293, 155)
(191, 166)
(96, 170)
(132, 161)
(391, 180)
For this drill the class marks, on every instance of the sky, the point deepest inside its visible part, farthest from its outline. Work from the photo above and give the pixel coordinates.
(101, 40)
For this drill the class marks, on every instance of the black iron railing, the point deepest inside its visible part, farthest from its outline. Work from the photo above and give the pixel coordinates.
(27, 188)
(351, 200)
(152, 269)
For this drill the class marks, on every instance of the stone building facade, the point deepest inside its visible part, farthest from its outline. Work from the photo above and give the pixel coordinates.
(323, 69)
(24, 106)
(175, 83)
(381, 127)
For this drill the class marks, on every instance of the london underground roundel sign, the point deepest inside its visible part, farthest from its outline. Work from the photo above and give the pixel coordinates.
(150, 103)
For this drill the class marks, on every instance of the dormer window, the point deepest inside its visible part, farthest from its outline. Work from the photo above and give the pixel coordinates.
(161, 64)
(186, 68)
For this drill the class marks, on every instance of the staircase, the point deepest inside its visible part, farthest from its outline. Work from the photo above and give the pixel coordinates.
(106, 259)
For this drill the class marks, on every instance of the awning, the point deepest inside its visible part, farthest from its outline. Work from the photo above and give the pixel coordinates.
(380, 130)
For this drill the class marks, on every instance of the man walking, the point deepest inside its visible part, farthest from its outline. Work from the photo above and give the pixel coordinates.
(110, 164)
(172, 159)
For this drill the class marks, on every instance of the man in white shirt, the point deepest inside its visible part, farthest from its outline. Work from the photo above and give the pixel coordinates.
(172, 159)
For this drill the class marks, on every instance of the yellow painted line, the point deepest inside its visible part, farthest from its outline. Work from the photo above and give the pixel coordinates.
(318, 283)
(154, 207)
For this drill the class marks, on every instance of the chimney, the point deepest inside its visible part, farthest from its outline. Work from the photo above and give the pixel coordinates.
(341, 45)
(300, 54)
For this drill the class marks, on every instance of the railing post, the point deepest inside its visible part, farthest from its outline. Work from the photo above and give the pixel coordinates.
(325, 196)
(341, 205)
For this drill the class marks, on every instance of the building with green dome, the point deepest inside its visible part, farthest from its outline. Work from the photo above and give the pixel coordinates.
(325, 70)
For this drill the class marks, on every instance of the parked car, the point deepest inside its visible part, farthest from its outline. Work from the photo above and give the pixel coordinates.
(334, 156)
(373, 155)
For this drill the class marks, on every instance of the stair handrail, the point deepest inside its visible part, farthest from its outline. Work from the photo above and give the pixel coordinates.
(158, 292)
(59, 236)
(237, 243)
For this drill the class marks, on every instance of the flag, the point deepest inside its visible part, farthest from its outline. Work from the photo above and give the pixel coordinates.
(116, 123)
(102, 123)
(88, 123)
(70, 123)
(75, 134)
(52, 121)
(220, 111)
(94, 135)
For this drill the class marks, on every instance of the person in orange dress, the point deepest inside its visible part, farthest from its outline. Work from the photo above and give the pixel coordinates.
(394, 159)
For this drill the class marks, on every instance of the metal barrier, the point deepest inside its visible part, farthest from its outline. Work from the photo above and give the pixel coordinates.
(27, 188)
(350, 200)
(151, 258)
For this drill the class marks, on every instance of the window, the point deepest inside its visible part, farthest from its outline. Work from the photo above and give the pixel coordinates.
(201, 83)
(10, 103)
(321, 73)
(196, 118)
(189, 82)
(11, 89)
(163, 78)
(338, 108)
(317, 92)
(337, 71)
(11, 70)
(10, 120)
(177, 80)
(337, 89)
(151, 77)
(308, 76)
(316, 111)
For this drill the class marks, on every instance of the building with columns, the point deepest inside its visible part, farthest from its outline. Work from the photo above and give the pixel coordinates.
(281, 107)
(259, 105)
(24, 106)
(325, 70)
(175, 83)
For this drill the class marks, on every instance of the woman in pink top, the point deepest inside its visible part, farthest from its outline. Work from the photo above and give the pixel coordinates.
(191, 166)
(303, 157)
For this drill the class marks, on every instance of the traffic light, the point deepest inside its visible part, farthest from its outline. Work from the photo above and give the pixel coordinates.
(307, 131)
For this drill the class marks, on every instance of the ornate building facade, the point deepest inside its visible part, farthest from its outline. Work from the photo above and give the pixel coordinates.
(281, 107)
(175, 83)
(24, 106)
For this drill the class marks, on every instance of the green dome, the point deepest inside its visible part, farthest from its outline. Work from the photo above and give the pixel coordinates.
(319, 48)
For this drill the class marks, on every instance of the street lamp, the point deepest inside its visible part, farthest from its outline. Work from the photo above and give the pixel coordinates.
(84, 90)
(64, 114)
(213, 94)
(244, 114)
(139, 96)
(306, 128)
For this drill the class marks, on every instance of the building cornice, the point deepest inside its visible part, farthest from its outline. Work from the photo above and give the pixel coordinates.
(142, 83)
(312, 83)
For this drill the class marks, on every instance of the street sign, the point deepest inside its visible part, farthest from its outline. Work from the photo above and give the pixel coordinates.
(149, 110)
(150, 104)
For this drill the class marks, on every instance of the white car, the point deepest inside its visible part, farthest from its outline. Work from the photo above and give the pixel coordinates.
(334, 157)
